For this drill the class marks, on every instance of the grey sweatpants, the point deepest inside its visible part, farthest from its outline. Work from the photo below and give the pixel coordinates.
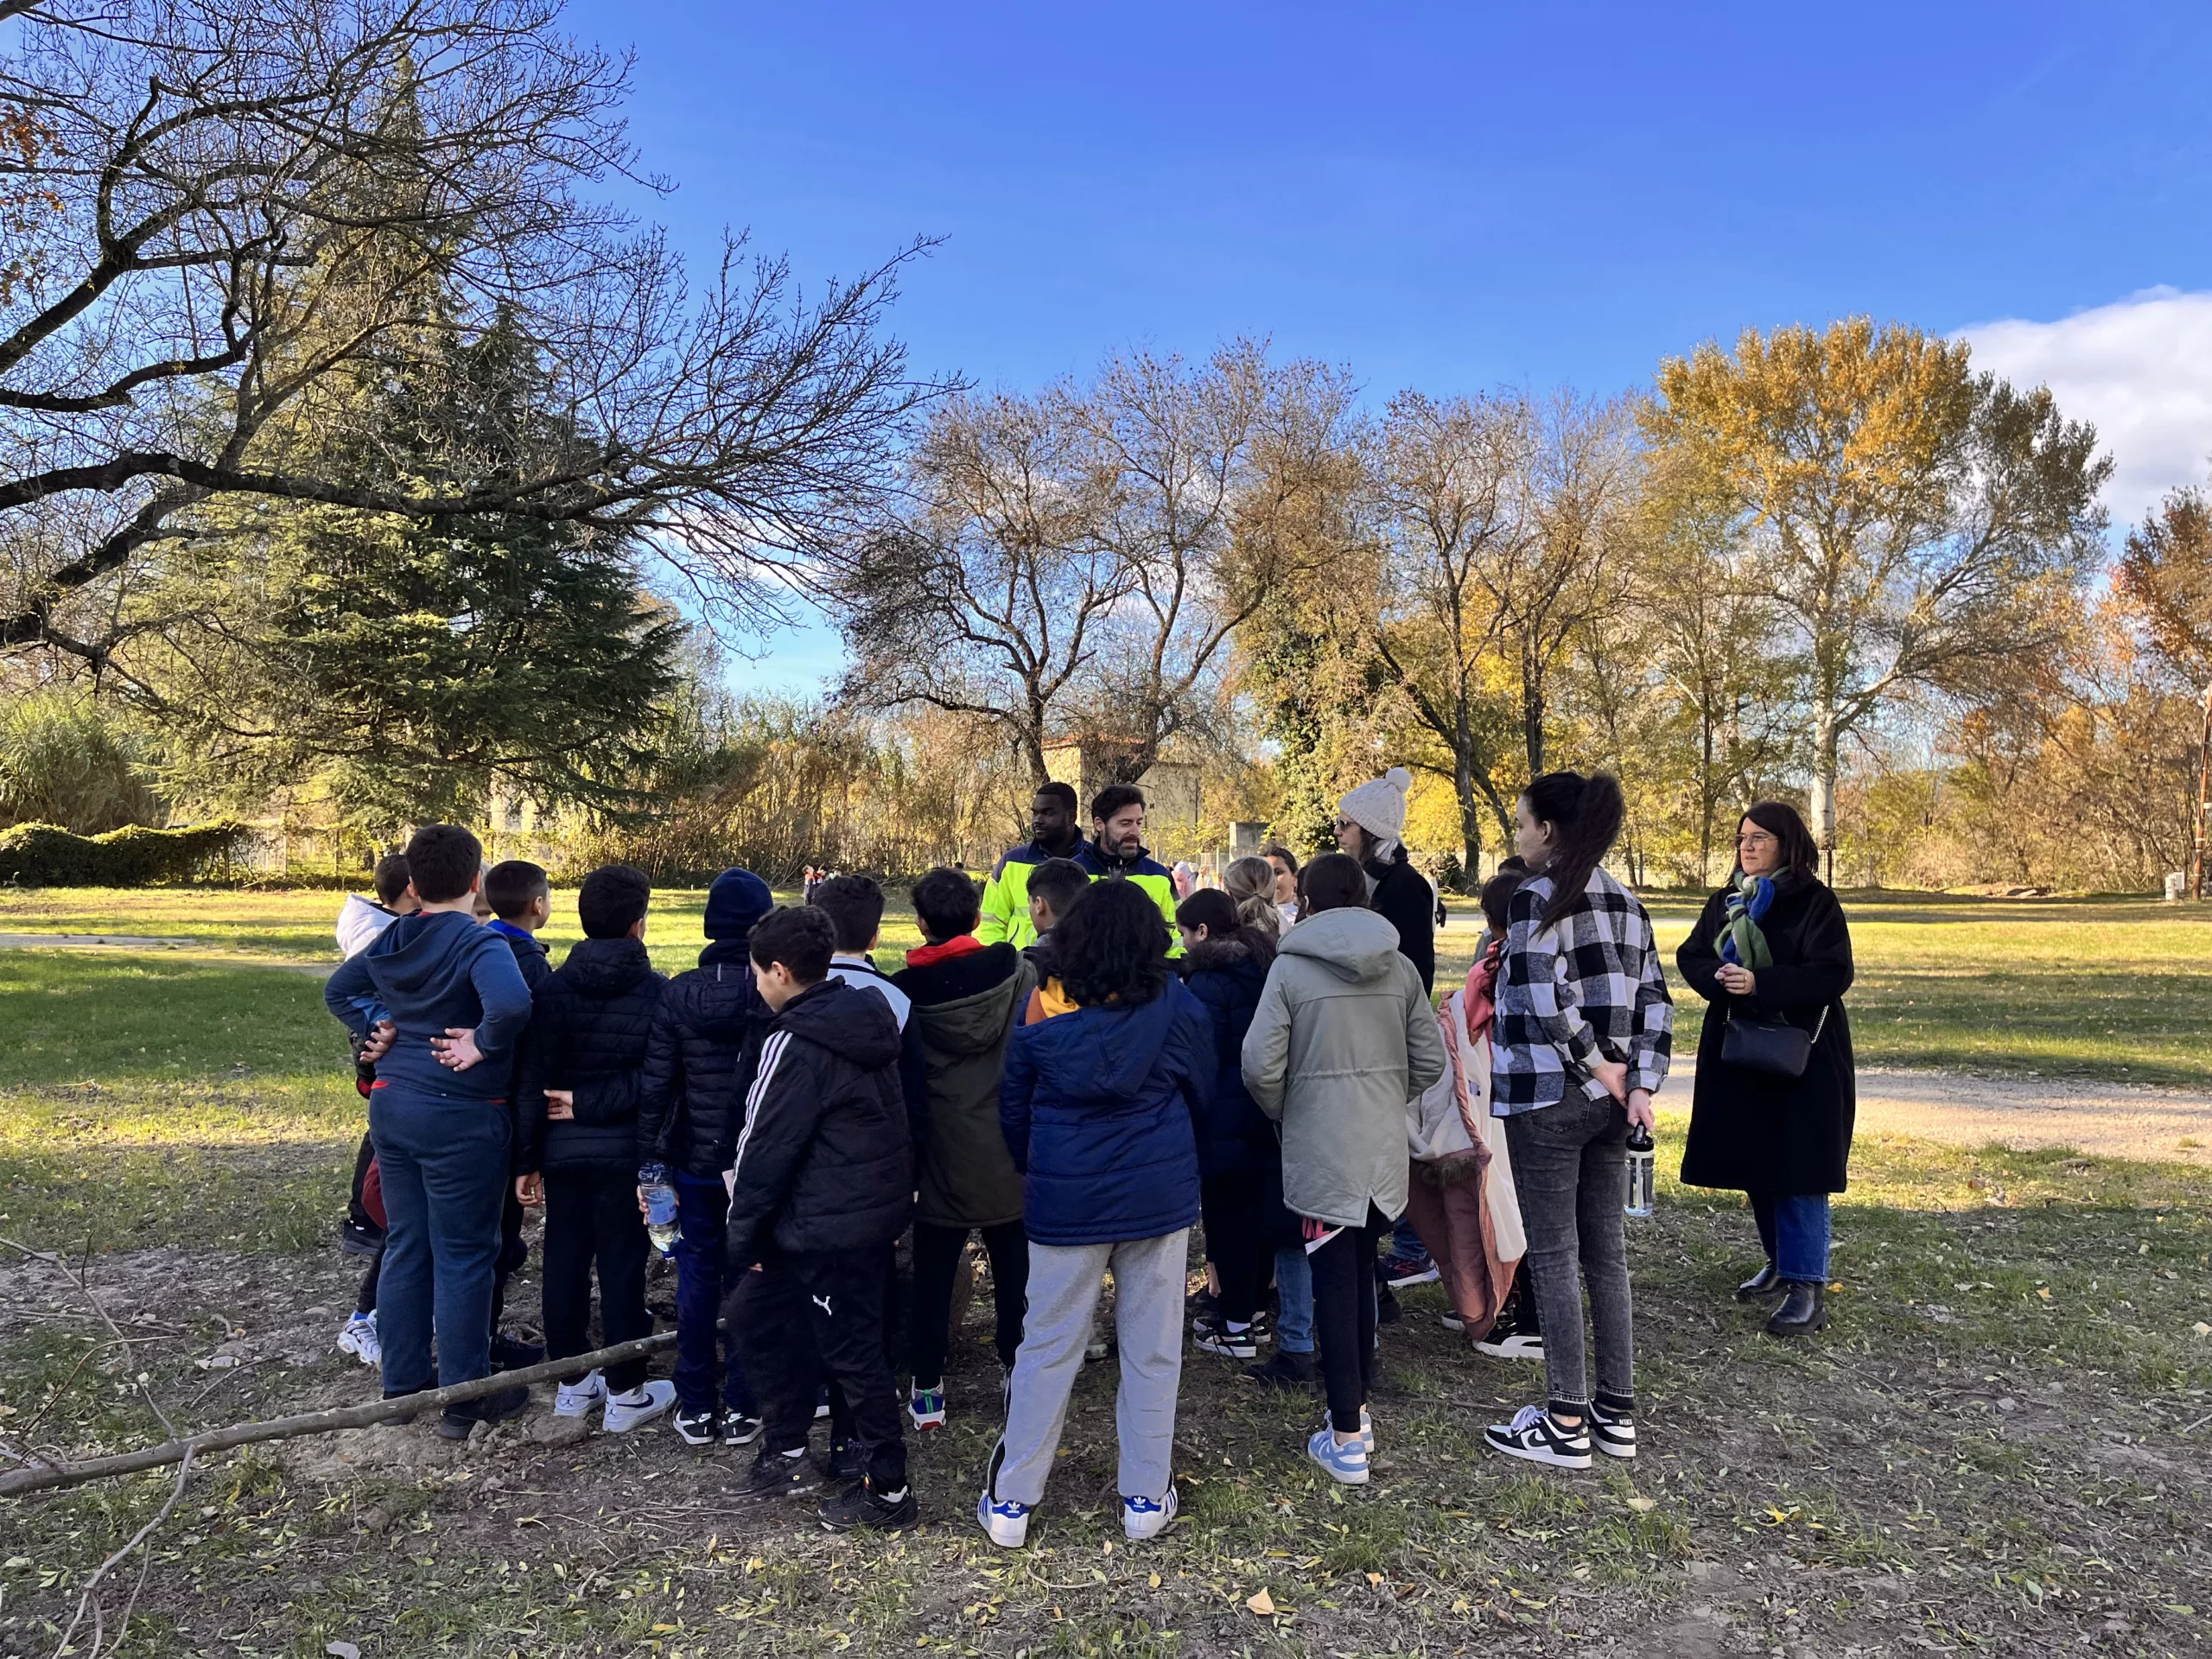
(1064, 1287)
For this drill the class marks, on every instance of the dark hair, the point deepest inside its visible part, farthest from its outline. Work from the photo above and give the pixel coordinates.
(391, 878)
(612, 899)
(1113, 946)
(1064, 793)
(1800, 854)
(443, 859)
(799, 937)
(946, 904)
(1585, 814)
(1276, 849)
(512, 883)
(854, 905)
(1216, 911)
(1498, 891)
(1060, 882)
(1112, 798)
(1332, 881)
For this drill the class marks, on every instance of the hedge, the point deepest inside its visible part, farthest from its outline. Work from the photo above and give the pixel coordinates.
(47, 855)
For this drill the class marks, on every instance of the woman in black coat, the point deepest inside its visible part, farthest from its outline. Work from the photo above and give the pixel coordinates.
(1773, 945)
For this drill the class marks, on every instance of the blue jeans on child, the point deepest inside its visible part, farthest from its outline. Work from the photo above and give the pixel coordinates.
(1294, 1299)
(443, 1163)
(702, 1266)
(1795, 1230)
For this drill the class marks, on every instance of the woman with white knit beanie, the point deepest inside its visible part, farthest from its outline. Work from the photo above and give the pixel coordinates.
(1371, 821)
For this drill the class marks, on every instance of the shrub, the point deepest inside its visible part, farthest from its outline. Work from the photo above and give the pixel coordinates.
(45, 855)
(63, 762)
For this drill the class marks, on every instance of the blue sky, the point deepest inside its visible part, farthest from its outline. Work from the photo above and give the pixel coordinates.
(1453, 197)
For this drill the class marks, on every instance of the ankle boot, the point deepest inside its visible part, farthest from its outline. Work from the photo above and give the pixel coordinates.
(1803, 1311)
(1765, 1282)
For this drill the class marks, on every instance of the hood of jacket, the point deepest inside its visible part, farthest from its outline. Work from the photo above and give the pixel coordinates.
(605, 968)
(855, 1025)
(1213, 956)
(976, 1024)
(1356, 945)
(1108, 1053)
(418, 952)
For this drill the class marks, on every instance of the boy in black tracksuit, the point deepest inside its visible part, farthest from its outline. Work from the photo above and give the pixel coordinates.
(819, 1191)
(576, 1143)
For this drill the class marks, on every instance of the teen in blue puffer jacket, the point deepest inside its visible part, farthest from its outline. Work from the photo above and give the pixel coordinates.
(1098, 1106)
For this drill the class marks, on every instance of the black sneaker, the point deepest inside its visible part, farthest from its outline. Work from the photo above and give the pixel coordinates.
(512, 1353)
(780, 1474)
(859, 1509)
(407, 1418)
(1534, 1436)
(1213, 1336)
(1506, 1341)
(1284, 1369)
(361, 1238)
(847, 1461)
(491, 1408)
(698, 1428)
(1201, 1304)
(734, 1427)
(1614, 1431)
(1387, 1311)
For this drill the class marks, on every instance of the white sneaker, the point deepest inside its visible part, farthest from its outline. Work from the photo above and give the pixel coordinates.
(360, 1338)
(1142, 1518)
(1007, 1523)
(576, 1399)
(1512, 1344)
(1367, 1430)
(640, 1406)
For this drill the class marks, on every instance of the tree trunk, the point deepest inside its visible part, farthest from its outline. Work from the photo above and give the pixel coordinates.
(1825, 739)
(1471, 820)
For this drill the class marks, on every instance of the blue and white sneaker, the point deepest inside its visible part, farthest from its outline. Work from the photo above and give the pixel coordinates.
(1143, 1518)
(1367, 1430)
(1007, 1522)
(360, 1338)
(926, 1408)
(1346, 1463)
(577, 1398)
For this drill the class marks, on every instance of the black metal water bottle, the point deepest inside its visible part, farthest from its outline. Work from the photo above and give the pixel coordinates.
(1643, 1171)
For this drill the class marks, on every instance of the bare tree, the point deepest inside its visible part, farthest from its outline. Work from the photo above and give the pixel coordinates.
(213, 212)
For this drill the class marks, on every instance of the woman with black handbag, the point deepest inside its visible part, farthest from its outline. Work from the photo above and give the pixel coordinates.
(1776, 1092)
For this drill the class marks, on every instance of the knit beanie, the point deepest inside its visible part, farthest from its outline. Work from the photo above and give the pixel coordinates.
(737, 900)
(1379, 808)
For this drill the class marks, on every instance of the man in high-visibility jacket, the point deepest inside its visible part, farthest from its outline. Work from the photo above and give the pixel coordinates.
(1117, 849)
(1054, 832)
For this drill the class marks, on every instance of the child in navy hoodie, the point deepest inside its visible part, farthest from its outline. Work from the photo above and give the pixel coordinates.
(438, 1116)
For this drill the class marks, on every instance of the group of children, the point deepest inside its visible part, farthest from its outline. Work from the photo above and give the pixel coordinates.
(1073, 1067)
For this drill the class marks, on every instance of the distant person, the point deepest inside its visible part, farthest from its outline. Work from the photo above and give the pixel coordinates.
(360, 922)
(1285, 863)
(1097, 1110)
(1772, 947)
(1054, 832)
(1185, 878)
(700, 1057)
(440, 1119)
(1117, 849)
(1054, 887)
(1344, 1037)
(576, 1145)
(818, 1190)
(967, 999)
(1584, 1028)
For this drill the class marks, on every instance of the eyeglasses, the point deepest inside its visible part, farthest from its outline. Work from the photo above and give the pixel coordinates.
(1755, 839)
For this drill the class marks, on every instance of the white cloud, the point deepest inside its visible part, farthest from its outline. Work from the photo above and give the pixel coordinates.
(2140, 368)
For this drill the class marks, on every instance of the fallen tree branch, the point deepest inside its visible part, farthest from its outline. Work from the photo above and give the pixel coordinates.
(17, 1482)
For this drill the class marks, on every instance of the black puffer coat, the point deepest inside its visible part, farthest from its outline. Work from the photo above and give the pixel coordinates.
(588, 1023)
(1235, 1136)
(823, 1162)
(1401, 895)
(699, 1060)
(1750, 1130)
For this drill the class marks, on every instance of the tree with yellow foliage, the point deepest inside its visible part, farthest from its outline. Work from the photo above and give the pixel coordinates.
(1916, 523)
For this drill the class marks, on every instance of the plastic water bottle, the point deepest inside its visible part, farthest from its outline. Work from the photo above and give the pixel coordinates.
(1643, 1171)
(660, 1207)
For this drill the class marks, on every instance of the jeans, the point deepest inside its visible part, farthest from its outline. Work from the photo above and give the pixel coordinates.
(803, 1318)
(701, 1264)
(1064, 1287)
(937, 1258)
(1570, 1167)
(1343, 1305)
(443, 1163)
(591, 1219)
(1795, 1230)
(1406, 1243)
(1293, 1300)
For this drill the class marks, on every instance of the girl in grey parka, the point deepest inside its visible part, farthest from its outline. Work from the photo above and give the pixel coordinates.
(1344, 1038)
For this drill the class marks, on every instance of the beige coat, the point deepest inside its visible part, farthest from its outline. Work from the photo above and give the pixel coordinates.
(1344, 1038)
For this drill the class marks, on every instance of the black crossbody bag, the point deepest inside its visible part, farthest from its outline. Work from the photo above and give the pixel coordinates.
(1774, 1047)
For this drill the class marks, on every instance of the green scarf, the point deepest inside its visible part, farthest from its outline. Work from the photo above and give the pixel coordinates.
(1744, 942)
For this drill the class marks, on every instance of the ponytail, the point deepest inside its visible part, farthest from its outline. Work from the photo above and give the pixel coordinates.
(1585, 814)
(1251, 882)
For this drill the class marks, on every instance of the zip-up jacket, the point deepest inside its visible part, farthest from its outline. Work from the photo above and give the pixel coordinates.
(822, 1163)
(699, 1060)
(432, 973)
(589, 1022)
(1006, 895)
(1148, 873)
(965, 1010)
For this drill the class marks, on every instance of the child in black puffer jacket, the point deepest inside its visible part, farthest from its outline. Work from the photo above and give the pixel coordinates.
(577, 1085)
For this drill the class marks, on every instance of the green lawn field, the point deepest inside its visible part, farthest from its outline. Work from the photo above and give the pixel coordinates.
(2001, 1447)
